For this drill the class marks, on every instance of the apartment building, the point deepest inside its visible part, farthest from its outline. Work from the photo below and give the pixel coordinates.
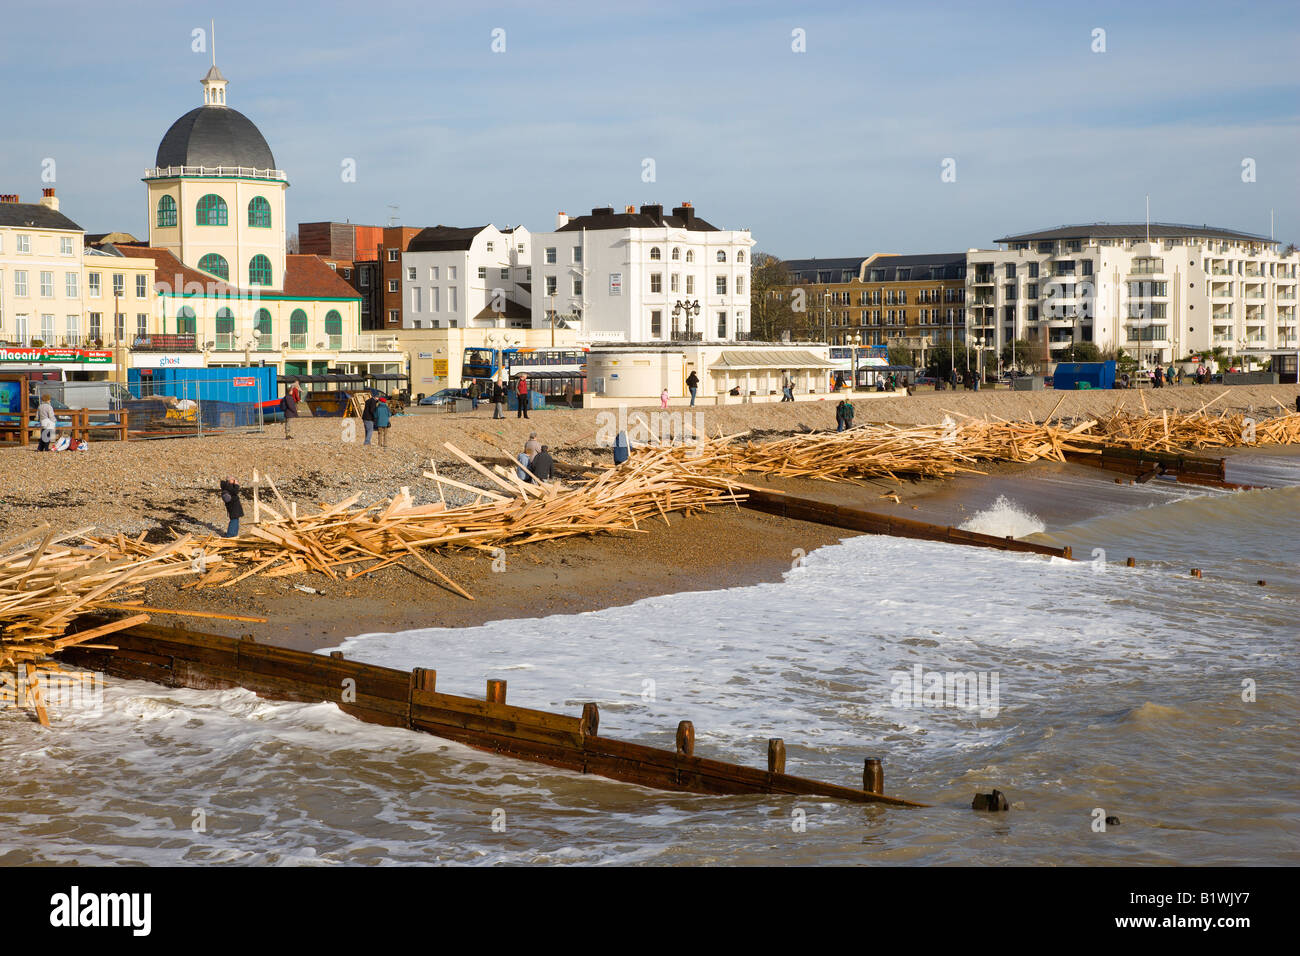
(41, 273)
(642, 276)
(391, 247)
(1160, 291)
(467, 277)
(352, 251)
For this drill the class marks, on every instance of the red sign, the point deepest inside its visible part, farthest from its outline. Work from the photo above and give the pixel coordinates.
(80, 356)
(244, 382)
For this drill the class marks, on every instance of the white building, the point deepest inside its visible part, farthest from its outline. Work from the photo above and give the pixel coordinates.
(41, 274)
(1160, 292)
(462, 278)
(641, 276)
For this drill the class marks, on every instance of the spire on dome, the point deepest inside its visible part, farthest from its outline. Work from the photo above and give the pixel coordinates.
(214, 84)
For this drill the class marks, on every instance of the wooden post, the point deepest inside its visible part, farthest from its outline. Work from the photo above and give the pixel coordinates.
(873, 776)
(590, 726)
(1069, 553)
(1131, 563)
(776, 755)
(422, 678)
(337, 655)
(496, 692)
(686, 738)
(257, 503)
(1196, 572)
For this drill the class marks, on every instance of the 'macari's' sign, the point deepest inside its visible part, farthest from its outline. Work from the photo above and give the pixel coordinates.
(81, 356)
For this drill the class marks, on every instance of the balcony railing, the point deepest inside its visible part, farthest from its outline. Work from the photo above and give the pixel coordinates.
(677, 336)
(185, 342)
(223, 172)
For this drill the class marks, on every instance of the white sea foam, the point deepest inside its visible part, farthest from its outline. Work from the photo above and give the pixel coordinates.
(1004, 517)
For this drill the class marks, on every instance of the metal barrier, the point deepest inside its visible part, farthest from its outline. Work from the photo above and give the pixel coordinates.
(182, 408)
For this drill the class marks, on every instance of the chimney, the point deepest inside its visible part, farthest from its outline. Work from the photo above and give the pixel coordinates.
(654, 212)
(561, 219)
(685, 212)
(603, 211)
(9, 197)
(48, 199)
(629, 209)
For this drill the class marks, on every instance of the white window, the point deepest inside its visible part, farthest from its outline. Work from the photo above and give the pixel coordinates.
(451, 301)
(65, 245)
(20, 282)
(92, 284)
(654, 253)
(674, 282)
(491, 245)
(722, 325)
(393, 254)
(722, 255)
(96, 326)
(410, 273)
(482, 272)
(550, 285)
(577, 287)
(451, 273)
(347, 273)
(505, 274)
(415, 323)
(394, 316)
(333, 266)
(24, 243)
(365, 278)
(690, 285)
(21, 329)
(415, 298)
(550, 255)
(656, 282)
(47, 285)
(740, 284)
(71, 282)
(433, 273)
(577, 253)
(740, 257)
(435, 300)
(119, 284)
(528, 274)
(47, 329)
(365, 306)
(141, 324)
(690, 255)
(142, 286)
(393, 285)
(720, 285)
(677, 253)
(73, 328)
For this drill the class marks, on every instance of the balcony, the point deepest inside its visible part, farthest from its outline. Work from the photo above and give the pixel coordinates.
(28, 340)
(220, 172)
(687, 336)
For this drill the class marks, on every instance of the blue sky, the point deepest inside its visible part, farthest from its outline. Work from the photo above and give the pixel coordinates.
(834, 151)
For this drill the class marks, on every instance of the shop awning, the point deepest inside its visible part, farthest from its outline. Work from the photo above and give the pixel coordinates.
(793, 359)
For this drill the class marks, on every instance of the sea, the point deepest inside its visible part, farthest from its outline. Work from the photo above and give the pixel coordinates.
(1085, 691)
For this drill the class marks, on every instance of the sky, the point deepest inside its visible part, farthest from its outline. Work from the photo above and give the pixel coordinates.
(909, 128)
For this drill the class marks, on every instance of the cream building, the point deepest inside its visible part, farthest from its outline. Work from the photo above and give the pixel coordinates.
(40, 274)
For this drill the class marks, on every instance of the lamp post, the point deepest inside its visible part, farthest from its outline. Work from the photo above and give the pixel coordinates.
(689, 309)
(553, 317)
(854, 341)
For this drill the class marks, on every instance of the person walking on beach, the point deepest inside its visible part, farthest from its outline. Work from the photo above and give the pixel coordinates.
(383, 418)
(289, 407)
(521, 392)
(49, 424)
(839, 416)
(952, 378)
(1158, 377)
(692, 383)
(498, 401)
(848, 414)
(474, 393)
(368, 416)
(229, 491)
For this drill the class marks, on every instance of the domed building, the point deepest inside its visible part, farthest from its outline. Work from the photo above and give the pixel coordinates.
(216, 200)
(227, 293)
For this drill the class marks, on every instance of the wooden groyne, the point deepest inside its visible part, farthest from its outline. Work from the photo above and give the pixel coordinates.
(177, 657)
(869, 522)
(1144, 465)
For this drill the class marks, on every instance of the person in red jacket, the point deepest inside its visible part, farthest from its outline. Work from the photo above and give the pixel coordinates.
(521, 392)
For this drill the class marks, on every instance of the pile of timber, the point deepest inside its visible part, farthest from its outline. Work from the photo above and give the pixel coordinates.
(45, 584)
(346, 540)
(1174, 431)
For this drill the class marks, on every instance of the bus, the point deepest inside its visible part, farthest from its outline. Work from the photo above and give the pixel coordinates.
(842, 355)
(555, 372)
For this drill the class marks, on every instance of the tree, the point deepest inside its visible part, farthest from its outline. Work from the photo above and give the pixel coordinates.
(941, 359)
(1017, 354)
(1079, 352)
(291, 244)
(900, 355)
(771, 304)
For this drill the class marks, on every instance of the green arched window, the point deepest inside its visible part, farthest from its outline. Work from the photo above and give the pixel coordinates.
(166, 212)
(259, 270)
(259, 213)
(185, 324)
(334, 328)
(212, 211)
(298, 329)
(225, 330)
(215, 264)
(265, 336)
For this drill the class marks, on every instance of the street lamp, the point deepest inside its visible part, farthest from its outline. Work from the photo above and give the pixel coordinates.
(689, 309)
(854, 341)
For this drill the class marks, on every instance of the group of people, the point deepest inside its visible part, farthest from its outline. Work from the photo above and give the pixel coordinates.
(497, 394)
(844, 415)
(535, 461)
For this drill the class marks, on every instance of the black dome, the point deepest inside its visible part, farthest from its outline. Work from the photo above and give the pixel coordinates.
(214, 136)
